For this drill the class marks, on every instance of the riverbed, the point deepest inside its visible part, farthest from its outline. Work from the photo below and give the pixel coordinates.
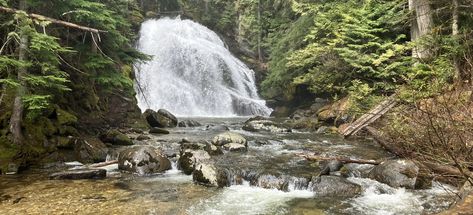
(173, 192)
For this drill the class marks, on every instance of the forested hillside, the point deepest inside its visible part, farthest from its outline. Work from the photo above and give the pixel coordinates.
(62, 80)
(358, 52)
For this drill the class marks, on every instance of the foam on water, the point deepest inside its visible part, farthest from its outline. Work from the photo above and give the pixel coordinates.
(244, 199)
(378, 198)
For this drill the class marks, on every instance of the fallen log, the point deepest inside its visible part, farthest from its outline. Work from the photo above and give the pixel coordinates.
(52, 20)
(97, 165)
(341, 159)
(390, 147)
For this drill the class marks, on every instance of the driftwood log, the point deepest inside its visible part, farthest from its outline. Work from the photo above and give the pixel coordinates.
(97, 165)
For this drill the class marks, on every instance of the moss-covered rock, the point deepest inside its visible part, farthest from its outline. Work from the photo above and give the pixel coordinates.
(65, 118)
(116, 137)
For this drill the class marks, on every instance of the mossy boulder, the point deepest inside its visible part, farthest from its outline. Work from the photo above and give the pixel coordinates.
(65, 118)
(116, 137)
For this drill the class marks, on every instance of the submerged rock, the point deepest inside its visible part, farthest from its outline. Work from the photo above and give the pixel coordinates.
(191, 158)
(156, 130)
(143, 160)
(229, 137)
(217, 128)
(116, 137)
(264, 125)
(396, 173)
(206, 174)
(334, 186)
(189, 123)
(235, 147)
(80, 174)
(161, 119)
(142, 137)
(90, 150)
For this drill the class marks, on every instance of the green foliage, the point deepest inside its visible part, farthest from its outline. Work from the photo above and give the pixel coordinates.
(352, 42)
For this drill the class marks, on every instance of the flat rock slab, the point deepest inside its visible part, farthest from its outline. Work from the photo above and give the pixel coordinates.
(79, 174)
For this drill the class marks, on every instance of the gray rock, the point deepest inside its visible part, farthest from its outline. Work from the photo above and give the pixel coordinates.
(235, 147)
(161, 119)
(206, 174)
(189, 123)
(217, 128)
(396, 173)
(334, 186)
(191, 158)
(212, 149)
(330, 166)
(90, 150)
(156, 130)
(143, 160)
(80, 174)
(356, 170)
(229, 137)
(192, 146)
(264, 125)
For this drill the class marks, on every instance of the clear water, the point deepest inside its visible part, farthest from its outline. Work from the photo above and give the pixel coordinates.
(175, 193)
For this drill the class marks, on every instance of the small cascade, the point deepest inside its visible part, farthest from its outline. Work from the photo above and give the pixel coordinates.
(192, 73)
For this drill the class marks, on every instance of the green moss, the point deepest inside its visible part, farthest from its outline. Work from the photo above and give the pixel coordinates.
(7, 153)
(65, 118)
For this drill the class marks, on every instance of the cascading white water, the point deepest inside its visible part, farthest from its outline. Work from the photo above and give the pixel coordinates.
(192, 73)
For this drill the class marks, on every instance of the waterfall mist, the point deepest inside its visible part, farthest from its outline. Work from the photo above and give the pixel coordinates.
(192, 73)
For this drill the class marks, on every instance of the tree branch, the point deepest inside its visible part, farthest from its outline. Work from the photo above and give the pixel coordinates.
(55, 21)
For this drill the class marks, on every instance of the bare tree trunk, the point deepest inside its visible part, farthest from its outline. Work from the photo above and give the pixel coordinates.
(17, 112)
(455, 32)
(421, 25)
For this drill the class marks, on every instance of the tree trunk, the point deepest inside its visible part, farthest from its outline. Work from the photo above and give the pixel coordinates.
(17, 112)
(422, 23)
(455, 32)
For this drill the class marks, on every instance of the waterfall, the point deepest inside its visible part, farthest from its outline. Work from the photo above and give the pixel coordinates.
(192, 73)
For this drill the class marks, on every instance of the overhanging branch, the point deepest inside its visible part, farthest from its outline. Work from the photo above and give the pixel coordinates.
(55, 21)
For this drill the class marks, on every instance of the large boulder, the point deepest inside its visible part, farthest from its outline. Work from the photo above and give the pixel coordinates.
(326, 167)
(90, 150)
(206, 174)
(161, 119)
(116, 137)
(334, 186)
(191, 158)
(229, 137)
(396, 173)
(80, 174)
(356, 170)
(143, 160)
(189, 123)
